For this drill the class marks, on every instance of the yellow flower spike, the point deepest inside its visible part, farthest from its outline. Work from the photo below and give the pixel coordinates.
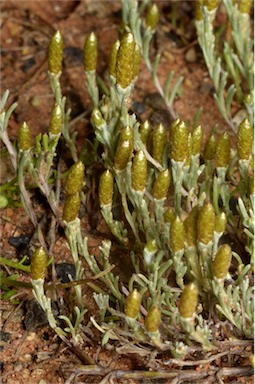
(152, 16)
(244, 140)
(38, 265)
(122, 155)
(113, 58)
(212, 4)
(179, 142)
(205, 223)
(137, 61)
(139, 171)
(55, 54)
(74, 180)
(220, 222)
(127, 133)
(24, 137)
(144, 130)
(190, 227)
(177, 235)
(161, 185)
(132, 304)
(90, 52)
(106, 188)
(169, 215)
(196, 140)
(152, 320)
(188, 301)
(222, 155)
(244, 6)
(125, 60)
(210, 148)
(56, 120)
(172, 127)
(71, 207)
(159, 142)
(222, 261)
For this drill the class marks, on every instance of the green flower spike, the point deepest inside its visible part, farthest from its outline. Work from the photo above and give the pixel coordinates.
(56, 120)
(38, 265)
(221, 262)
(71, 207)
(152, 320)
(139, 172)
(113, 58)
(222, 156)
(169, 215)
(55, 54)
(220, 222)
(90, 52)
(137, 61)
(125, 60)
(122, 155)
(188, 301)
(179, 140)
(152, 16)
(161, 185)
(145, 130)
(24, 137)
(244, 140)
(132, 304)
(127, 133)
(159, 142)
(177, 235)
(190, 227)
(212, 4)
(244, 6)
(210, 148)
(106, 188)
(74, 180)
(205, 223)
(149, 251)
(196, 140)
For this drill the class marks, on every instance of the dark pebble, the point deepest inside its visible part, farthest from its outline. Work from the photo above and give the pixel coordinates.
(65, 269)
(5, 336)
(34, 316)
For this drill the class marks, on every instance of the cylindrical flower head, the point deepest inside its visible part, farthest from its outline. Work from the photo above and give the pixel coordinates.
(152, 320)
(71, 207)
(169, 215)
(210, 148)
(244, 140)
(177, 235)
(132, 304)
(211, 4)
(220, 222)
(127, 133)
(90, 52)
(222, 156)
(196, 140)
(38, 265)
(137, 61)
(188, 301)
(158, 142)
(106, 188)
(55, 54)
(145, 129)
(205, 223)
(244, 6)
(161, 185)
(125, 60)
(190, 226)
(179, 140)
(74, 180)
(24, 137)
(113, 58)
(56, 120)
(122, 155)
(139, 171)
(152, 16)
(222, 261)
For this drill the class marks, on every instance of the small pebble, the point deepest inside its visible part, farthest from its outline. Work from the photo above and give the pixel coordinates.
(191, 56)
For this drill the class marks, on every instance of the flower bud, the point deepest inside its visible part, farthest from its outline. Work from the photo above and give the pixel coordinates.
(122, 155)
(127, 133)
(198, 10)
(196, 140)
(161, 185)
(222, 156)
(158, 142)
(205, 223)
(212, 4)
(190, 227)
(177, 235)
(97, 118)
(113, 58)
(38, 265)
(220, 222)
(145, 129)
(125, 60)
(74, 180)
(179, 140)
(222, 261)
(106, 188)
(132, 304)
(149, 251)
(244, 140)
(55, 54)
(152, 16)
(188, 301)
(71, 207)
(24, 137)
(56, 120)
(169, 215)
(244, 6)
(210, 148)
(152, 320)
(139, 171)
(90, 52)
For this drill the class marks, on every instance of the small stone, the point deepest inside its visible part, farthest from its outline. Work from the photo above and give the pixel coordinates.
(191, 56)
